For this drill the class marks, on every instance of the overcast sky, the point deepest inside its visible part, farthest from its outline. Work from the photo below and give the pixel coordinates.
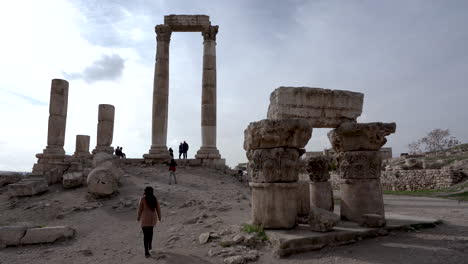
(409, 58)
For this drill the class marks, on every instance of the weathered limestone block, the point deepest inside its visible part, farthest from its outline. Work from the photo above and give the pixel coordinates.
(11, 235)
(28, 187)
(322, 220)
(82, 146)
(56, 134)
(321, 195)
(363, 136)
(274, 165)
(372, 220)
(359, 164)
(318, 168)
(47, 234)
(101, 182)
(72, 180)
(58, 104)
(292, 133)
(321, 107)
(104, 178)
(8, 177)
(274, 205)
(105, 129)
(360, 197)
(303, 198)
(187, 23)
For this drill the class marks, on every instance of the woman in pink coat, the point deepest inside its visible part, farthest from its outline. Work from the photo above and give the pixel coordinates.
(149, 213)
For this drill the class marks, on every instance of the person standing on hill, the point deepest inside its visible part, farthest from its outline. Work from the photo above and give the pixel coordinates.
(185, 148)
(171, 152)
(172, 170)
(149, 213)
(181, 149)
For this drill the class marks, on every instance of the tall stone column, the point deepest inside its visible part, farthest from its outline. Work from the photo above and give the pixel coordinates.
(57, 117)
(208, 148)
(53, 156)
(105, 129)
(158, 150)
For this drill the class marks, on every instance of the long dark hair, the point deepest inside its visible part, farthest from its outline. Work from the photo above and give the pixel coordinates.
(150, 198)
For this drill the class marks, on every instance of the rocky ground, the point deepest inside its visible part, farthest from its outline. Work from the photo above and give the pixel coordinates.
(213, 204)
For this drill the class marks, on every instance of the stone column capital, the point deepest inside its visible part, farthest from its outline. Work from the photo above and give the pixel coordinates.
(163, 33)
(210, 33)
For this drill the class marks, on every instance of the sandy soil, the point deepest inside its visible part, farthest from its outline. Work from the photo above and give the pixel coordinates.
(206, 200)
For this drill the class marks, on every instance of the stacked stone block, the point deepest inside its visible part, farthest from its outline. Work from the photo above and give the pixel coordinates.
(359, 167)
(105, 129)
(273, 150)
(51, 163)
(320, 189)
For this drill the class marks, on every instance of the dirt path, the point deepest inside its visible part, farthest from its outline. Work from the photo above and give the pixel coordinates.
(202, 201)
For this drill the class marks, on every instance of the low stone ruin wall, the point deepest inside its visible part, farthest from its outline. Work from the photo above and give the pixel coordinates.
(413, 180)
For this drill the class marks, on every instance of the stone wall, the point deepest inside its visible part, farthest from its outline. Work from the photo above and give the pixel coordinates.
(412, 180)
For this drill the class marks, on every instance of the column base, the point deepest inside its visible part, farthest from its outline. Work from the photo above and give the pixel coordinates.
(208, 153)
(50, 166)
(157, 154)
(105, 149)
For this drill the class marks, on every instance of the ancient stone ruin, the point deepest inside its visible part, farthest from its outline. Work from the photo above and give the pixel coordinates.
(275, 201)
(184, 23)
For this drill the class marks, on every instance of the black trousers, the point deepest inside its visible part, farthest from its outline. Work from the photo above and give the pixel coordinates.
(147, 237)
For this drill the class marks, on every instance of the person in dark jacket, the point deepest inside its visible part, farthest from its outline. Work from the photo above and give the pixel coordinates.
(172, 170)
(185, 149)
(181, 149)
(171, 152)
(149, 213)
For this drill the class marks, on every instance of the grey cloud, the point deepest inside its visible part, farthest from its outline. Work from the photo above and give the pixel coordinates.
(108, 67)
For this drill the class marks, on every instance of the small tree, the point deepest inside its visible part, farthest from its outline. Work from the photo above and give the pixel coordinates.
(438, 140)
(415, 147)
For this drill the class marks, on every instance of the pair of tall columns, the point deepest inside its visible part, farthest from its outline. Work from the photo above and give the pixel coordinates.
(158, 148)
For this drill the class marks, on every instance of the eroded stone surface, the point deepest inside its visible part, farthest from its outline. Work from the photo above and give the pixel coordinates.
(322, 220)
(359, 164)
(293, 133)
(303, 198)
(321, 107)
(187, 23)
(362, 136)
(28, 187)
(321, 195)
(11, 235)
(274, 165)
(318, 168)
(9, 177)
(360, 197)
(274, 205)
(46, 234)
(72, 179)
(372, 220)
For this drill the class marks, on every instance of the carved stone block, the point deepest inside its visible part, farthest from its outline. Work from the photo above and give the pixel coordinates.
(293, 133)
(360, 197)
(359, 164)
(321, 195)
(274, 205)
(364, 136)
(274, 165)
(318, 168)
(321, 107)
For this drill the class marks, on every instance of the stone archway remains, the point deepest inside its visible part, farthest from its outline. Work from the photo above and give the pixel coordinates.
(184, 23)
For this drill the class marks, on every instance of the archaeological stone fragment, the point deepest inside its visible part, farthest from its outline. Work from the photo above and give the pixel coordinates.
(321, 195)
(359, 165)
(292, 133)
(274, 165)
(318, 168)
(322, 108)
(360, 136)
(274, 205)
(360, 197)
(322, 220)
